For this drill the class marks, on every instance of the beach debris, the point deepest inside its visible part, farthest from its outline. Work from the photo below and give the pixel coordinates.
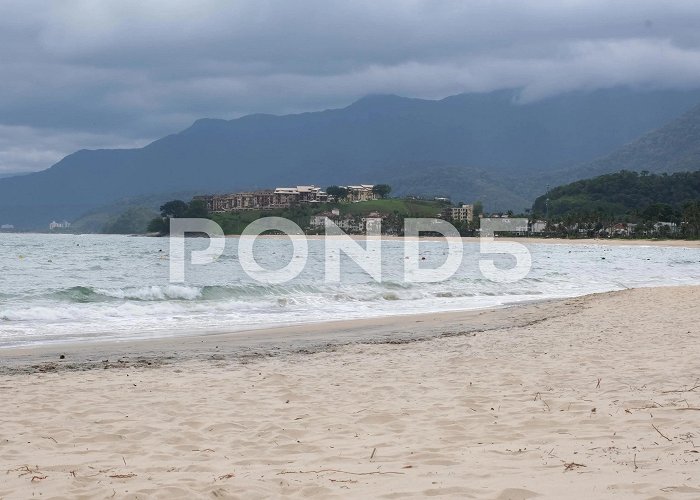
(696, 386)
(373, 452)
(572, 466)
(227, 476)
(662, 434)
(123, 476)
(598, 384)
(26, 470)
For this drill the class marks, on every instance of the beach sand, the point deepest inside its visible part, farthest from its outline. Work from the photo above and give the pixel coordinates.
(593, 397)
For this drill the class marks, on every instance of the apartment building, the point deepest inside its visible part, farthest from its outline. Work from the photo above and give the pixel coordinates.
(282, 197)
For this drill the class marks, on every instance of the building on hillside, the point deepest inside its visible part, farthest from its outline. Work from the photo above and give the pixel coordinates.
(268, 199)
(59, 225)
(462, 213)
(361, 192)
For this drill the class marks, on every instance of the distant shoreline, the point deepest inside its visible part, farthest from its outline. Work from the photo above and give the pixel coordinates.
(524, 239)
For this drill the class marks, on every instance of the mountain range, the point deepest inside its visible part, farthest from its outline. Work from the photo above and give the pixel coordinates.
(488, 146)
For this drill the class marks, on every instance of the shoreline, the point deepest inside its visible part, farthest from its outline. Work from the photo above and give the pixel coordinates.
(243, 345)
(523, 239)
(285, 340)
(466, 239)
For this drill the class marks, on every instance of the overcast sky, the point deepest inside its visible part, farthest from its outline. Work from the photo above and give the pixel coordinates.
(92, 73)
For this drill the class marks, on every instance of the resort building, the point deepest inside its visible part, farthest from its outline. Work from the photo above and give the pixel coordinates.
(363, 192)
(282, 197)
(462, 213)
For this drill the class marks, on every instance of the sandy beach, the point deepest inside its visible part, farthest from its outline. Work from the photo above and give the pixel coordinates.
(592, 397)
(521, 239)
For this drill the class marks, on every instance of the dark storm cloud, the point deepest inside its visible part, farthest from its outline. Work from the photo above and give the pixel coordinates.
(118, 73)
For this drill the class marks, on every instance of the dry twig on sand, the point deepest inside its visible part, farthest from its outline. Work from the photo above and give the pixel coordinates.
(696, 386)
(662, 434)
(572, 466)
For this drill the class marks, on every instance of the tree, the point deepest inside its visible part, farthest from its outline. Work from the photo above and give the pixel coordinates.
(691, 219)
(174, 208)
(337, 192)
(382, 190)
(159, 225)
(197, 209)
(659, 212)
(478, 208)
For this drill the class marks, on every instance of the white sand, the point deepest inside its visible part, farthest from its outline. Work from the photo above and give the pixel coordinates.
(600, 400)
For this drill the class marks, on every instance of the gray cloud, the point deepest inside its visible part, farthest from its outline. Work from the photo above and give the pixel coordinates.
(86, 73)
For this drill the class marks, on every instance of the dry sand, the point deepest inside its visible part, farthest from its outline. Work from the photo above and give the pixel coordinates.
(593, 397)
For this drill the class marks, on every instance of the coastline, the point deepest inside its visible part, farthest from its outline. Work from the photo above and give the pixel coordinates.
(244, 345)
(595, 394)
(524, 240)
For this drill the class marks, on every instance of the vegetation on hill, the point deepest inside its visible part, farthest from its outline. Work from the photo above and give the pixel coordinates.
(176, 209)
(102, 219)
(675, 147)
(627, 196)
(622, 193)
(133, 220)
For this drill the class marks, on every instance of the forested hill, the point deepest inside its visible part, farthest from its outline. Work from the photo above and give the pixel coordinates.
(675, 147)
(623, 193)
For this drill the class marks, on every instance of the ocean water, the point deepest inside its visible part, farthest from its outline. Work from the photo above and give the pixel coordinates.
(65, 288)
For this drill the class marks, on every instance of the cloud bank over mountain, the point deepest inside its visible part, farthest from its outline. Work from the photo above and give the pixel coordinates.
(87, 74)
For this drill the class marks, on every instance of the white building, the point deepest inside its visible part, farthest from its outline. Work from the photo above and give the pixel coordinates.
(538, 226)
(59, 225)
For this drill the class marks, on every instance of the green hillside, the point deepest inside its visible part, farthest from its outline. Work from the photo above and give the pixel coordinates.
(674, 147)
(644, 195)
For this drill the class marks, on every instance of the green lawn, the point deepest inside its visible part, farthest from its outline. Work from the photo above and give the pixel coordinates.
(406, 208)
